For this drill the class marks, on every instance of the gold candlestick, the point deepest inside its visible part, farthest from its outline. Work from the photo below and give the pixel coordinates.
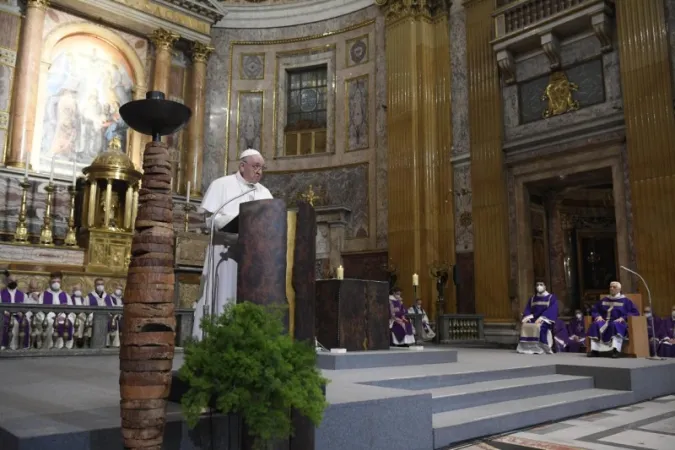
(21, 233)
(71, 236)
(46, 235)
(186, 220)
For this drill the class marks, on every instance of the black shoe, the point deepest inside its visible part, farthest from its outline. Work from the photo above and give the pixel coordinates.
(616, 354)
(593, 354)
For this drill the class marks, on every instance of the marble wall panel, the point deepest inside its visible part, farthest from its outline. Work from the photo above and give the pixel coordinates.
(10, 25)
(249, 120)
(572, 54)
(344, 186)
(460, 84)
(357, 117)
(357, 43)
(463, 217)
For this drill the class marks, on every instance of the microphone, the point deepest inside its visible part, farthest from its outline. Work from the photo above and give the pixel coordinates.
(212, 269)
(649, 297)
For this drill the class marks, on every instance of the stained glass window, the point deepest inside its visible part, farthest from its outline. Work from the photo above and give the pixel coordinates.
(307, 99)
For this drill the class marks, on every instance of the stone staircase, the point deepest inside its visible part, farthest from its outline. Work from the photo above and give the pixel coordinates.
(470, 405)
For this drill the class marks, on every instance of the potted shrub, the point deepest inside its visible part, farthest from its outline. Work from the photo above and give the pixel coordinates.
(249, 366)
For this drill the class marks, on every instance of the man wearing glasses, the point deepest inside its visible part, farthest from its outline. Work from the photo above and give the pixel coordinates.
(240, 187)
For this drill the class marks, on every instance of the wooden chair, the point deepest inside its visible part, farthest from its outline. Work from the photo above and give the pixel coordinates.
(637, 345)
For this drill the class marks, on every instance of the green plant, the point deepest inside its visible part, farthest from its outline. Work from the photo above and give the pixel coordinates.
(247, 365)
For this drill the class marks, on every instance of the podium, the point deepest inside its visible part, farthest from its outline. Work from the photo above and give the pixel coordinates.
(353, 314)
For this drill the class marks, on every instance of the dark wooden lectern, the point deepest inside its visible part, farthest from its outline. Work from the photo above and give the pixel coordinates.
(352, 314)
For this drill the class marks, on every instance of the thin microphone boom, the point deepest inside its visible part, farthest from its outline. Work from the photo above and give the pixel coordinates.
(210, 274)
(649, 297)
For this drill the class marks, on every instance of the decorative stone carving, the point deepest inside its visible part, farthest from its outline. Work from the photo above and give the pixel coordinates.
(602, 28)
(163, 39)
(507, 66)
(398, 9)
(551, 46)
(200, 52)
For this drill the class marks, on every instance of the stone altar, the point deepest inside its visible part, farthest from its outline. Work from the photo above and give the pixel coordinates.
(352, 314)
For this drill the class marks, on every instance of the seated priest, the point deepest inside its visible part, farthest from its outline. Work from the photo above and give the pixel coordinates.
(427, 333)
(538, 320)
(76, 295)
(98, 297)
(560, 336)
(221, 203)
(576, 330)
(54, 295)
(666, 348)
(33, 296)
(653, 336)
(117, 295)
(402, 334)
(10, 293)
(609, 327)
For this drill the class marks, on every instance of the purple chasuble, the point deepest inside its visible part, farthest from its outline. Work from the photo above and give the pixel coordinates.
(611, 308)
(398, 312)
(92, 299)
(560, 336)
(6, 296)
(48, 298)
(545, 306)
(6, 327)
(576, 328)
(666, 331)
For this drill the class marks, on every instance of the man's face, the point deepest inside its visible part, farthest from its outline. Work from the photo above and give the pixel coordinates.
(251, 169)
(648, 311)
(397, 295)
(419, 303)
(614, 289)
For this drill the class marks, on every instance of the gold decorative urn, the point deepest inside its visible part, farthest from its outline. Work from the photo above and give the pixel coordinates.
(109, 210)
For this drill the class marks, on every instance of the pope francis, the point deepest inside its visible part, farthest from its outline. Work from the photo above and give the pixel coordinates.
(245, 183)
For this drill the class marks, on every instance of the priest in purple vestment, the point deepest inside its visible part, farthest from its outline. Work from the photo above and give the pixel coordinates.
(11, 293)
(98, 297)
(560, 336)
(76, 295)
(610, 316)
(402, 333)
(666, 347)
(654, 336)
(54, 295)
(576, 329)
(538, 320)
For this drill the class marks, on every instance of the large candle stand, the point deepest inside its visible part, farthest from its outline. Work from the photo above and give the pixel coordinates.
(21, 232)
(71, 235)
(188, 207)
(46, 235)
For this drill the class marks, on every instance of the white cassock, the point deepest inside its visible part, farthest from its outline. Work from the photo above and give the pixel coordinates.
(225, 279)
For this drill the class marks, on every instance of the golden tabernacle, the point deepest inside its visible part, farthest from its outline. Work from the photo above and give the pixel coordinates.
(109, 210)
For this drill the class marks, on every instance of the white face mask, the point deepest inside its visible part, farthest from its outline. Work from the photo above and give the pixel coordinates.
(77, 293)
(56, 286)
(100, 288)
(672, 315)
(118, 292)
(648, 314)
(540, 288)
(579, 316)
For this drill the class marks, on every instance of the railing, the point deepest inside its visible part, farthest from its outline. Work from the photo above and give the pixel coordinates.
(46, 330)
(461, 328)
(516, 15)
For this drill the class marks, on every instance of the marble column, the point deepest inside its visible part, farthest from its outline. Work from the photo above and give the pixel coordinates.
(646, 85)
(421, 231)
(488, 181)
(163, 41)
(27, 74)
(136, 144)
(193, 158)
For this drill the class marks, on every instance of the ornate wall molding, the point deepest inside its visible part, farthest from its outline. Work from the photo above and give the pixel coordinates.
(396, 10)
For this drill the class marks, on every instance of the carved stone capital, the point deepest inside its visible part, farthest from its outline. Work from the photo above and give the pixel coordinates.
(602, 27)
(163, 39)
(200, 52)
(507, 66)
(551, 46)
(399, 9)
(39, 4)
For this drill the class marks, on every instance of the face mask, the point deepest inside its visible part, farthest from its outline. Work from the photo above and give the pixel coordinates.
(56, 286)
(672, 315)
(99, 288)
(78, 293)
(579, 316)
(648, 314)
(118, 292)
(11, 285)
(540, 289)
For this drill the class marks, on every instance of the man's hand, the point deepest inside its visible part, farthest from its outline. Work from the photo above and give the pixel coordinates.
(672, 341)
(575, 338)
(538, 321)
(598, 319)
(620, 319)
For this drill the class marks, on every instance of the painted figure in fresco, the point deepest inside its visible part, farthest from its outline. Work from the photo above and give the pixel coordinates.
(249, 136)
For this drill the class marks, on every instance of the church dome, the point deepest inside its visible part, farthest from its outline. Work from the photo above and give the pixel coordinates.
(112, 159)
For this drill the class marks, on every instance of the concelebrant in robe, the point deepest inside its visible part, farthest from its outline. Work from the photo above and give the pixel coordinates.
(54, 295)
(610, 316)
(538, 320)
(10, 293)
(240, 187)
(427, 333)
(666, 332)
(576, 330)
(402, 333)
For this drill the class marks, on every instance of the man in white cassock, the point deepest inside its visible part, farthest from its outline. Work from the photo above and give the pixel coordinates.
(240, 187)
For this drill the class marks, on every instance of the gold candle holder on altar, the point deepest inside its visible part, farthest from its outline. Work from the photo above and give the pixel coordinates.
(109, 210)
(21, 232)
(188, 208)
(71, 235)
(46, 235)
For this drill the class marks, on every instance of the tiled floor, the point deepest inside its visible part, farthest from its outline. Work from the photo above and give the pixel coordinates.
(649, 425)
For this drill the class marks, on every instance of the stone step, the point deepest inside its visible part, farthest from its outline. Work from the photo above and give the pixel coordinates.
(463, 378)
(384, 358)
(461, 425)
(477, 394)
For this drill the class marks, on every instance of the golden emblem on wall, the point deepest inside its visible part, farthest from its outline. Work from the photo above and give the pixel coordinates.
(558, 93)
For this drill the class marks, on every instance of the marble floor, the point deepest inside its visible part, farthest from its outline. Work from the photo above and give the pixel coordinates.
(644, 426)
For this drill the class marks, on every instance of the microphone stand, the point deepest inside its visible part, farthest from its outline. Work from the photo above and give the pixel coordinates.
(212, 272)
(649, 296)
